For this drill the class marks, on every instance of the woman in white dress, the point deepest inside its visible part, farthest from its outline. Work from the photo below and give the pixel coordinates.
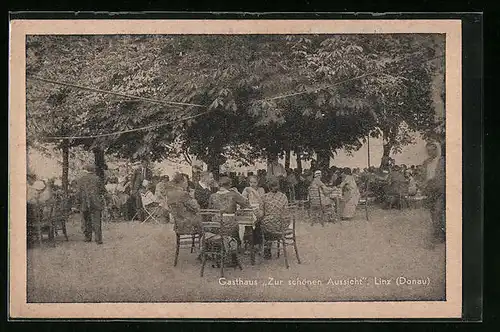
(350, 195)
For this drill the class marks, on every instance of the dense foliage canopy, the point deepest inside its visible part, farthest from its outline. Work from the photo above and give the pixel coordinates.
(260, 94)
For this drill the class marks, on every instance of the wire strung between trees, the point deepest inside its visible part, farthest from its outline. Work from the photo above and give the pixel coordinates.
(129, 130)
(71, 85)
(188, 104)
(338, 83)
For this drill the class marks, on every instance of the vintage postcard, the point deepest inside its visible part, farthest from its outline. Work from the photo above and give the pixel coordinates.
(235, 169)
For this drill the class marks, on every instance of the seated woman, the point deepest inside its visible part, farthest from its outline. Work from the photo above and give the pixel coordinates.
(123, 193)
(183, 207)
(161, 197)
(112, 197)
(39, 195)
(275, 219)
(350, 195)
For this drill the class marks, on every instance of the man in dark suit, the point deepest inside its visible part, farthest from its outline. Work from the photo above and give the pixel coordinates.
(140, 174)
(89, 195)
(435, 180)
(203, 189)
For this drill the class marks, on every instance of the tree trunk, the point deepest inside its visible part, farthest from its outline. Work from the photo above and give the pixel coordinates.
(214, 162)
(299, 159)
(388, 142)
(65, 173)
(323, 160)
(99, 164)
(287, 159)
(213, 166)
(386, 154)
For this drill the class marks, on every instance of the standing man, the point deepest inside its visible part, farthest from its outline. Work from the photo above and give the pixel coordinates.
(140, 174)
(276, 170)
(91, 203)
(434, 188)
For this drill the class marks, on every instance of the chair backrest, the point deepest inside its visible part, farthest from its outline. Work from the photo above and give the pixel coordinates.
(245, 216)
(292, 208)
(207, 222)
(315, 197)
(148, 198)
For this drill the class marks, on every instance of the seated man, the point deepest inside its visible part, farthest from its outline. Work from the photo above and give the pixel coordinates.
(227, 199)
(183, 207)
(319, 196)
(396, 187)
(275, 219)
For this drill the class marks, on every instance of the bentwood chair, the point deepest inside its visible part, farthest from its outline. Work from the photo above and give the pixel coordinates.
(316, 207)
(286, 238)
(185, 240)
(44, 221)
(213, 239)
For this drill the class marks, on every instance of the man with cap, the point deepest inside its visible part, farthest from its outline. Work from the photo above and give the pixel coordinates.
(91, 203)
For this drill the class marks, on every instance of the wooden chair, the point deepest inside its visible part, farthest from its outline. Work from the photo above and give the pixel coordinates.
(316, 207)
(185, 241)
(44, 221)
(286, 238)
(212, 239)
(60, 217)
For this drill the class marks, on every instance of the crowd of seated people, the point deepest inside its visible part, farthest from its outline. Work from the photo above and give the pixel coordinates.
(388, 183)
(391, 185)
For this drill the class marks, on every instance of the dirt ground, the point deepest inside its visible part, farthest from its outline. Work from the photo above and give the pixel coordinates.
(345, 261)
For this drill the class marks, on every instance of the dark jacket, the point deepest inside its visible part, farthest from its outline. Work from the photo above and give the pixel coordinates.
(436, 186)
(89, 192)
(202, 195)
(184, 211)
(138, 177)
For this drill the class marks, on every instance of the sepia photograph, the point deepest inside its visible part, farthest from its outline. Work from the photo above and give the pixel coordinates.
(237, 168)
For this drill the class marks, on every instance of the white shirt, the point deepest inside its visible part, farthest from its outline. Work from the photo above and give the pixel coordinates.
(276, 169)
(431, 168)
(203, 185)
(111, 187)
